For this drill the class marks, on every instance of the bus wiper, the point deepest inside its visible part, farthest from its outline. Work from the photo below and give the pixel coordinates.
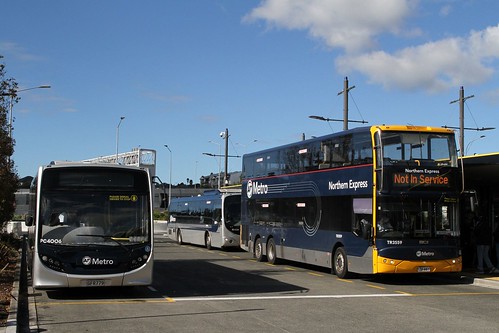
(108, 237)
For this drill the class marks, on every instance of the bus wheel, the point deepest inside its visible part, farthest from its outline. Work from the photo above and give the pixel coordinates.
(258, 250)
(340, 263)
(179, 237)
(271, 252)
(207, 240)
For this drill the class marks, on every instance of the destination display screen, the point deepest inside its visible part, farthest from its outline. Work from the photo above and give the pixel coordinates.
(421, 178)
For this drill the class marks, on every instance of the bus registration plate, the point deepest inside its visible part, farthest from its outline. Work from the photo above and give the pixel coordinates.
(93, 283)
(424, 269)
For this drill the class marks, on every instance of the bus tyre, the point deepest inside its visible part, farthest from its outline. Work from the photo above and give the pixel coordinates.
(179, 237)
(271, 252)
(258, 250)
(207, 241)
(340, 263)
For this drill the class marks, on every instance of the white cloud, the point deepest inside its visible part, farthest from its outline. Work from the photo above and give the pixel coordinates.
(356, 25)
(432, 66)
(16, 51)
(348, 24)
(492, 97)
(445, 10)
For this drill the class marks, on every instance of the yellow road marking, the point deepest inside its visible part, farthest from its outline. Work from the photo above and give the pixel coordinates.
(375, 287)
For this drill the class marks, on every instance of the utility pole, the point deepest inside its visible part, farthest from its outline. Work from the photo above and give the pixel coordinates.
(223, 135)
(345, 120)
(345, 91)
(226, 137)
(461, 101)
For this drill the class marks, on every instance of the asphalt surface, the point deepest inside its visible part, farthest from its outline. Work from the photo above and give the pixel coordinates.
(23, 313)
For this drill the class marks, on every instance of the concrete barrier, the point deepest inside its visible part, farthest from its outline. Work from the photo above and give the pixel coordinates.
(160, 227)
(17, 228)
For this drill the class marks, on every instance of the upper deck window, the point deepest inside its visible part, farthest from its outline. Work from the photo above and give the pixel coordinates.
(432, 149)
(321, 153)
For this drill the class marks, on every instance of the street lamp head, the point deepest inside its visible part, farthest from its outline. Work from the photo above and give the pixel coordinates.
(317, 118)
(121, 118)
(13, 92)
(13, 95)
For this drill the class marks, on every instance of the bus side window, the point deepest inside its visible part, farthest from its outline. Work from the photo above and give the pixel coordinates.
(339, 155)
(326, 155)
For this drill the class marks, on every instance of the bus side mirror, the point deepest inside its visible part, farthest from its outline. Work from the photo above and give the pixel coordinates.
(363, 229)
(28, 220)
(471, 198)
(473, 204)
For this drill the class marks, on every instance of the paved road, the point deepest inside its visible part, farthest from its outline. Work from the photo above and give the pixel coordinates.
(196, 290)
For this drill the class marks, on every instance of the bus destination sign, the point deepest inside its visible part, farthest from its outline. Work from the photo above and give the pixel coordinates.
(421, 177)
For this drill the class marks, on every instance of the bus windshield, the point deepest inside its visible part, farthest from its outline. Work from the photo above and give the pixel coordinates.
(417, 218)
(425, 149)
(233, 213)
(93, 217)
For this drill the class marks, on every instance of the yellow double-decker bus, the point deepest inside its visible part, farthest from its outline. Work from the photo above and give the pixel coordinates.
(378, 199)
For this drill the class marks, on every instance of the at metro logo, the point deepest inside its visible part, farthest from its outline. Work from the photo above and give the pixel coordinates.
(256, 188)
(87, 261)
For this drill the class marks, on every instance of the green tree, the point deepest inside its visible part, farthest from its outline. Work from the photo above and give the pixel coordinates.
(8, 176)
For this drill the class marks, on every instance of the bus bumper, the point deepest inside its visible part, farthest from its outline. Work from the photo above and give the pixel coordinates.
(387, 265)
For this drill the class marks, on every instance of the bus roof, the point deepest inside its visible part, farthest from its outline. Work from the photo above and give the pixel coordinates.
(408, 128)
(209, 195)
(70, 164)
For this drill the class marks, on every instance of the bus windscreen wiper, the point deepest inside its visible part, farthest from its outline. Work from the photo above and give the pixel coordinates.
(114, 239)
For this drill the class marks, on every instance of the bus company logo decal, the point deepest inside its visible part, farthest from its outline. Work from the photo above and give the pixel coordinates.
(420, 254)
(256, 188)
(87, 261)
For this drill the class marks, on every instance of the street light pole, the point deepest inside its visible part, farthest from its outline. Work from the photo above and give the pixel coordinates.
(13, 94)
(170, 181)
(469, 143)
(225, 135)
(118, 137)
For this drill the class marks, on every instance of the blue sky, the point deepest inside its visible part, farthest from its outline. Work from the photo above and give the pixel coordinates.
(181, 72)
